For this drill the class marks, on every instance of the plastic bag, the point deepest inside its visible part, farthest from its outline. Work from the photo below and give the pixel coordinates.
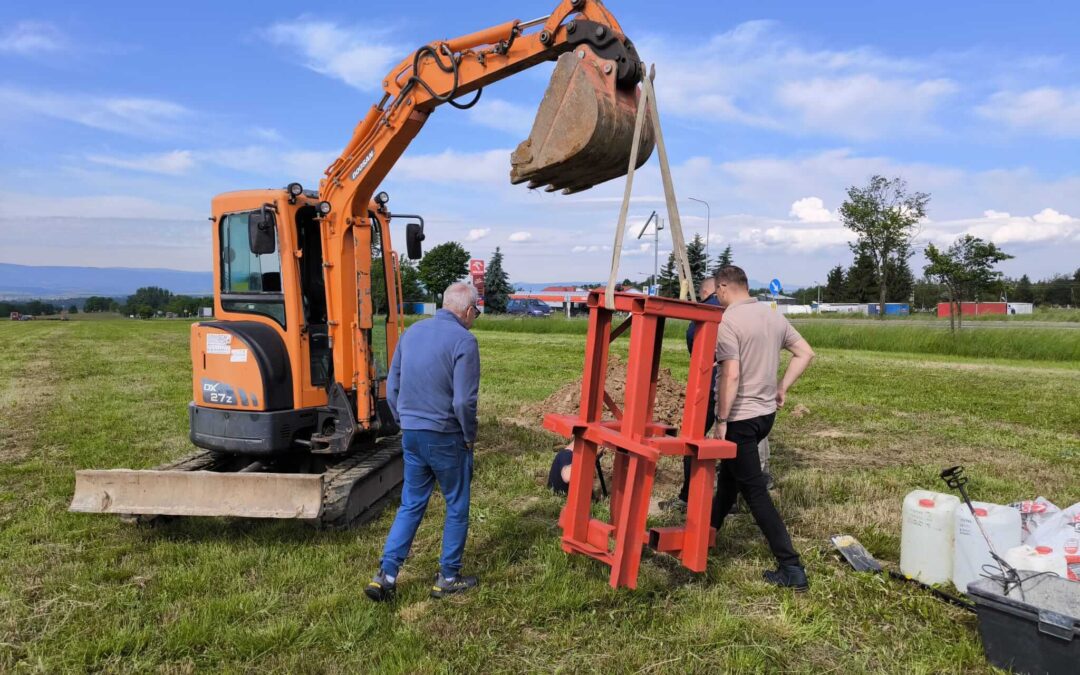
(1033, 513)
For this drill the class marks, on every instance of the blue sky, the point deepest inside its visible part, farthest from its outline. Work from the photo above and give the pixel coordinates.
(120, 121)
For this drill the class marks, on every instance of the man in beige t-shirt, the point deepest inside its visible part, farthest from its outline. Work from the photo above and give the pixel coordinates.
(748, 348)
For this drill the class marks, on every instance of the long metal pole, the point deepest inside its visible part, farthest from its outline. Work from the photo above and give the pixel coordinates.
(656, 256)
(708, 223)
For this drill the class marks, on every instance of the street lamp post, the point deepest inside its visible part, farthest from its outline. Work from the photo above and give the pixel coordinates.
(708, 223)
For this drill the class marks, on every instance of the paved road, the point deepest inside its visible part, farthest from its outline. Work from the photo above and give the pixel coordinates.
(1071, 325)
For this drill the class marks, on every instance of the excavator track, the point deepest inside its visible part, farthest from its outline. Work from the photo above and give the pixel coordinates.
(356, 489)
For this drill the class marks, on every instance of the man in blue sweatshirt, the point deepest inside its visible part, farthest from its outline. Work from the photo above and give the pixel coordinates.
(432, 389)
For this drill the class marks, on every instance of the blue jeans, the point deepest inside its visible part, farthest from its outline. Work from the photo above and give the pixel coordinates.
(430, 457)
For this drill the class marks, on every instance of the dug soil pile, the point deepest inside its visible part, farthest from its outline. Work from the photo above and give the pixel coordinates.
(669, 403)
(567, 399)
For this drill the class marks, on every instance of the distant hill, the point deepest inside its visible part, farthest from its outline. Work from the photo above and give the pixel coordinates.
(28, 281)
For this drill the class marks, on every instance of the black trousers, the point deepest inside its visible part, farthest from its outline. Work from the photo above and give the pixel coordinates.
(710, 419)
(743, 474)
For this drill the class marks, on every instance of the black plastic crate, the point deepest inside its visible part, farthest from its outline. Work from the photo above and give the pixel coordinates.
(1035, 628)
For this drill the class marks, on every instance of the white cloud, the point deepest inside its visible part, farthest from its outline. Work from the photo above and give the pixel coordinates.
(1046, 110)
(486, 169)
(758, 75)
(478, 233)
(520, 237)
(811, 210)
(131, 116)
(1045, 227)
(594, 248)
(30, 38)
(352, 55)
(503, 115)
(101, 206)
(171, 163)
(865, 106)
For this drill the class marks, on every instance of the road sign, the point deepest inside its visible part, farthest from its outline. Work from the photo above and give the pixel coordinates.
(775, 287)
(476, 274)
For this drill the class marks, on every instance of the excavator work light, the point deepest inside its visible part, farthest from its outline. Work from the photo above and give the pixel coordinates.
(382, 198)
(295, 189)
(324, 208)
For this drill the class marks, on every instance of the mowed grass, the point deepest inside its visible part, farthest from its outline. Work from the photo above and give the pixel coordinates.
(83, 592)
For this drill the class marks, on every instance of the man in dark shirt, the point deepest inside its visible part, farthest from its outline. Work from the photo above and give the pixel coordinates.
(707, 293)
(432, 391)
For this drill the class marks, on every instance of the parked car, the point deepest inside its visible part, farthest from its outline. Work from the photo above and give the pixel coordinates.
(528, 307)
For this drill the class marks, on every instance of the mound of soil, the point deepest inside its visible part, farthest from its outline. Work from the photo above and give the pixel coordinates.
(567, 399)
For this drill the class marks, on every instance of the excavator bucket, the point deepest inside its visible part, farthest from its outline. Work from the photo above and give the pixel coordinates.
(584, 129)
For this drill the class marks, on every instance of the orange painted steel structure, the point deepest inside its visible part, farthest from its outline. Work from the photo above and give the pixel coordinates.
(639, 441)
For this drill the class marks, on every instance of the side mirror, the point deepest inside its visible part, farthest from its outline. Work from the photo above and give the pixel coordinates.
(261, 227)
(414, 234)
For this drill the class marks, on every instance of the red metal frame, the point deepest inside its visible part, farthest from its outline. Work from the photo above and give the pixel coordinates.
(638, 441)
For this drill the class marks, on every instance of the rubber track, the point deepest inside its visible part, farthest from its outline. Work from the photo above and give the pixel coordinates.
(338, 481)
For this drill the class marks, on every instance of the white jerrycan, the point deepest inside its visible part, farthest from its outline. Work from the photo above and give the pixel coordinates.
(1038, 559)
(1002, 525)
(926, 536)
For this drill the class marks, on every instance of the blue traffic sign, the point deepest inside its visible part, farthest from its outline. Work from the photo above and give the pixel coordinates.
(775, 287)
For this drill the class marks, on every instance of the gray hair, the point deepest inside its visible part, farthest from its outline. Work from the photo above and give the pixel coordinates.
(459, 296)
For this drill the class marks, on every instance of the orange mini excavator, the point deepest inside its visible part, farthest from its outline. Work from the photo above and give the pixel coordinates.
(289, 411)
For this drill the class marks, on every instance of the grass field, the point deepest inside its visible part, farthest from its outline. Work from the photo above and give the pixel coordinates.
(81, 592)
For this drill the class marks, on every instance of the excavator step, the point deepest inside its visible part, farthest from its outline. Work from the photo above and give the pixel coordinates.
(348, 492)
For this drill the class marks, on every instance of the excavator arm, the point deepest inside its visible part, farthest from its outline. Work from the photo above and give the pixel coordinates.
(581, 137)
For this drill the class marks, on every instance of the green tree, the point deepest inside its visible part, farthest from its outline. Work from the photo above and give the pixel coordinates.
(73, 309)
(834, 285)
(699, 263)
(901, 279)
(884, 217)
(411, 288)
(964, 268)
(442, 266)
(669, 278)
(149, 296)
(497, 288)
(1023, 290)
(97, 303)
(724, 260)
(860, 281)
(927, 293)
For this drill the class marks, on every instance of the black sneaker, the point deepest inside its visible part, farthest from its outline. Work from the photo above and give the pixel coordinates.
(443, 588)
(677, 504)
(788, 576)
(381, 589)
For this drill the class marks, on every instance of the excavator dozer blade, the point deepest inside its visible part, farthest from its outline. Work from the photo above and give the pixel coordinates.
(198, 493)
(583, 130)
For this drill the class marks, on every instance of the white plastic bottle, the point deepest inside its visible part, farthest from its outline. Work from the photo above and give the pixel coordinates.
(926, 536)
(1002, 525)
(1037, 559)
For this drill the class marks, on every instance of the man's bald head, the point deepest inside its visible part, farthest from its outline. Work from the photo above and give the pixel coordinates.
(707, 288)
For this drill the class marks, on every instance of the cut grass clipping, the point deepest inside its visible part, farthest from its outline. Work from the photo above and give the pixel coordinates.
(85, 592)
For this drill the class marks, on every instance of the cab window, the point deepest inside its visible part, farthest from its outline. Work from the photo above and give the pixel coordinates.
(250, 282)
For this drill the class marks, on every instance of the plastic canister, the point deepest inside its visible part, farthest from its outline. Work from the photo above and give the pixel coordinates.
(1037, 559)
(926, 536)
(971, 553)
